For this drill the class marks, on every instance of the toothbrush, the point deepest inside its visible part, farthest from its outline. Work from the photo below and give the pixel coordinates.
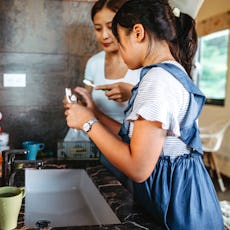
(71, 98)
(89, 83)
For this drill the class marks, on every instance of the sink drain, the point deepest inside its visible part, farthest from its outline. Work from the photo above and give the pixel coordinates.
(43, 224)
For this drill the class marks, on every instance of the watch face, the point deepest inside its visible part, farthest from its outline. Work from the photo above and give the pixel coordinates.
(86, 127)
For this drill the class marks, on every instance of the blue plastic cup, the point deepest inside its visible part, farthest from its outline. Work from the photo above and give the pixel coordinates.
(33, 148)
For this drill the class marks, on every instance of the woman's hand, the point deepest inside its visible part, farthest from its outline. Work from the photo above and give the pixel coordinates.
(119, 92)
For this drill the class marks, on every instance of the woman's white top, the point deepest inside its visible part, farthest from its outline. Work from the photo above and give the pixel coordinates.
(95, 72)
(161, 97)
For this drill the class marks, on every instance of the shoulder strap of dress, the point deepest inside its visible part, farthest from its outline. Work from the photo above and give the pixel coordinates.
(179, 74)
(189, 130)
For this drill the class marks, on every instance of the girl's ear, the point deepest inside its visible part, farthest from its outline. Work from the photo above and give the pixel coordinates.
(139, 32)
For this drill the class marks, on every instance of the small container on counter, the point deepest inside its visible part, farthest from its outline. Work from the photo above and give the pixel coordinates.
(4, 138)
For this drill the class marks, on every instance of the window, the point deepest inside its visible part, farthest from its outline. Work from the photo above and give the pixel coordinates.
(212, 57)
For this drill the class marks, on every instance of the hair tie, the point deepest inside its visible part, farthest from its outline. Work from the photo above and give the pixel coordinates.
(176, 12)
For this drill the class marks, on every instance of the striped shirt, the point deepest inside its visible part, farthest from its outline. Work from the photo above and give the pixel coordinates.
(161, 97)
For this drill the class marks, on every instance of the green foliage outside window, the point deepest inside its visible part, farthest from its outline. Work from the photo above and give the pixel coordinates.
(213, 57)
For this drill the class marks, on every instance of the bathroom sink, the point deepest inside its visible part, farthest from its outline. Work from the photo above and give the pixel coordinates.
(64, 197)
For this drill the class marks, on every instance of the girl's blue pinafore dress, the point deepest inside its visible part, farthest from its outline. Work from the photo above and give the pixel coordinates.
(179, 194)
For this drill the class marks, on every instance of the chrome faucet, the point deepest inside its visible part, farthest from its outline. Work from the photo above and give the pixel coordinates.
(11, 165)
(8, 163)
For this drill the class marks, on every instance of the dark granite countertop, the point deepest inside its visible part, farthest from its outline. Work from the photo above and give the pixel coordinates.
(117, 196)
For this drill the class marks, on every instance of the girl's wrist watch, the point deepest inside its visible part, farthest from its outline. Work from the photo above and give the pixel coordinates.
(88, 125)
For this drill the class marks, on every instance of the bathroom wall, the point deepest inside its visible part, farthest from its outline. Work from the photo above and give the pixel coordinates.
(50, 41)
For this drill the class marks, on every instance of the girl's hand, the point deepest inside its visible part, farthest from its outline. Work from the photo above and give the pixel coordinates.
(80, 100)
(119, 92)
(64, 101)
(86, 96)
(77, 115)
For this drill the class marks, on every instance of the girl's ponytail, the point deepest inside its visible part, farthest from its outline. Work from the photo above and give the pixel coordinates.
(186, 40)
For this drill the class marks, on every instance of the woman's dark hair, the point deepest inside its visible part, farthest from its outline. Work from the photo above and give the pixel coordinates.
(113, 5)
(158, 19)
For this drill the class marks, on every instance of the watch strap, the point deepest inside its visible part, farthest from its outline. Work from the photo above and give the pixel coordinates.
(90, 124)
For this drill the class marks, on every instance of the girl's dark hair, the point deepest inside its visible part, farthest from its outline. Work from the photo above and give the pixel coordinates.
(113, 5)
(186, 40)
(158, 19)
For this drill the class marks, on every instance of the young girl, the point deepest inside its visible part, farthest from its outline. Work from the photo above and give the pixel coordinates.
(160, 148)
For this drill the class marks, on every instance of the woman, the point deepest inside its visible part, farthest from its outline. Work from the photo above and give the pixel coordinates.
(107, 67)
(108, 70)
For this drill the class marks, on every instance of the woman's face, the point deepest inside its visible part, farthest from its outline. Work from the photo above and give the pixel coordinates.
(102, 28)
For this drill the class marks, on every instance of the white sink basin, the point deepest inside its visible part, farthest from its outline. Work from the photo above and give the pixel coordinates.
(65, 197)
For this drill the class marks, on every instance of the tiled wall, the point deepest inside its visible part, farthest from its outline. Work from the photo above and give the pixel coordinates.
(50, 41)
